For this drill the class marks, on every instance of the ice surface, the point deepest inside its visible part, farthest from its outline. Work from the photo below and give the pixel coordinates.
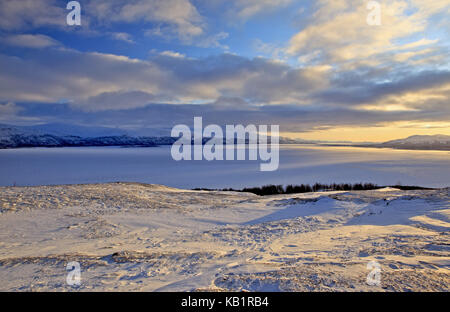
(298, 164)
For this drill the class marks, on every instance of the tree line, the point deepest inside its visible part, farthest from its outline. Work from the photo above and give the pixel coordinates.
(307, 188)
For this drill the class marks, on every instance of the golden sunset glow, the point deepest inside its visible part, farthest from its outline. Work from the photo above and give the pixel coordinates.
(374, 134)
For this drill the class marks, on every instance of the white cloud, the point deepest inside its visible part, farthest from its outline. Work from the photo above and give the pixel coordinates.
(248, 8)
(121, 36)
(111, 82)
(117, 100)
(242, 10)
(30, 41)
(339, 34)
(271, 50)
(213, 41)
(173, 54)
(26, 14)
(51, 76)
(177, 17)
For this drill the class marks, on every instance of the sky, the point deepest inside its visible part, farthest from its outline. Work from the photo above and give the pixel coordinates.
(319, 69)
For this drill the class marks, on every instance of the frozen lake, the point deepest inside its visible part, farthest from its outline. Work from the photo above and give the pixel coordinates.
(298, 164)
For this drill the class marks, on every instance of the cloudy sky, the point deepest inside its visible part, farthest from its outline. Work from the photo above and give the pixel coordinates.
(316, 68)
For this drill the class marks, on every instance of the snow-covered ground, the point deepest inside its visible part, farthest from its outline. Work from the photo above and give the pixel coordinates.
(137, 237)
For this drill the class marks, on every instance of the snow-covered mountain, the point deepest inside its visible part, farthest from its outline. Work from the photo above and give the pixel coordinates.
(436, 142)
(61, 129)
(36, 136)
(439, 141)
(60, 135)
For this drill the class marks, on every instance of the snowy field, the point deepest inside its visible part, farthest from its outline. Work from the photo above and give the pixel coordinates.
(137, 237)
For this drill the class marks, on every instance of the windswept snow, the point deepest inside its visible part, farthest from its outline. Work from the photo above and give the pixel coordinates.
(139, 237)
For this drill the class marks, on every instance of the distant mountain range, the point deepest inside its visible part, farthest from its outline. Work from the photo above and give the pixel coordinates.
(416, 142)
(52, 136)
(62, 135)
(60, 129)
